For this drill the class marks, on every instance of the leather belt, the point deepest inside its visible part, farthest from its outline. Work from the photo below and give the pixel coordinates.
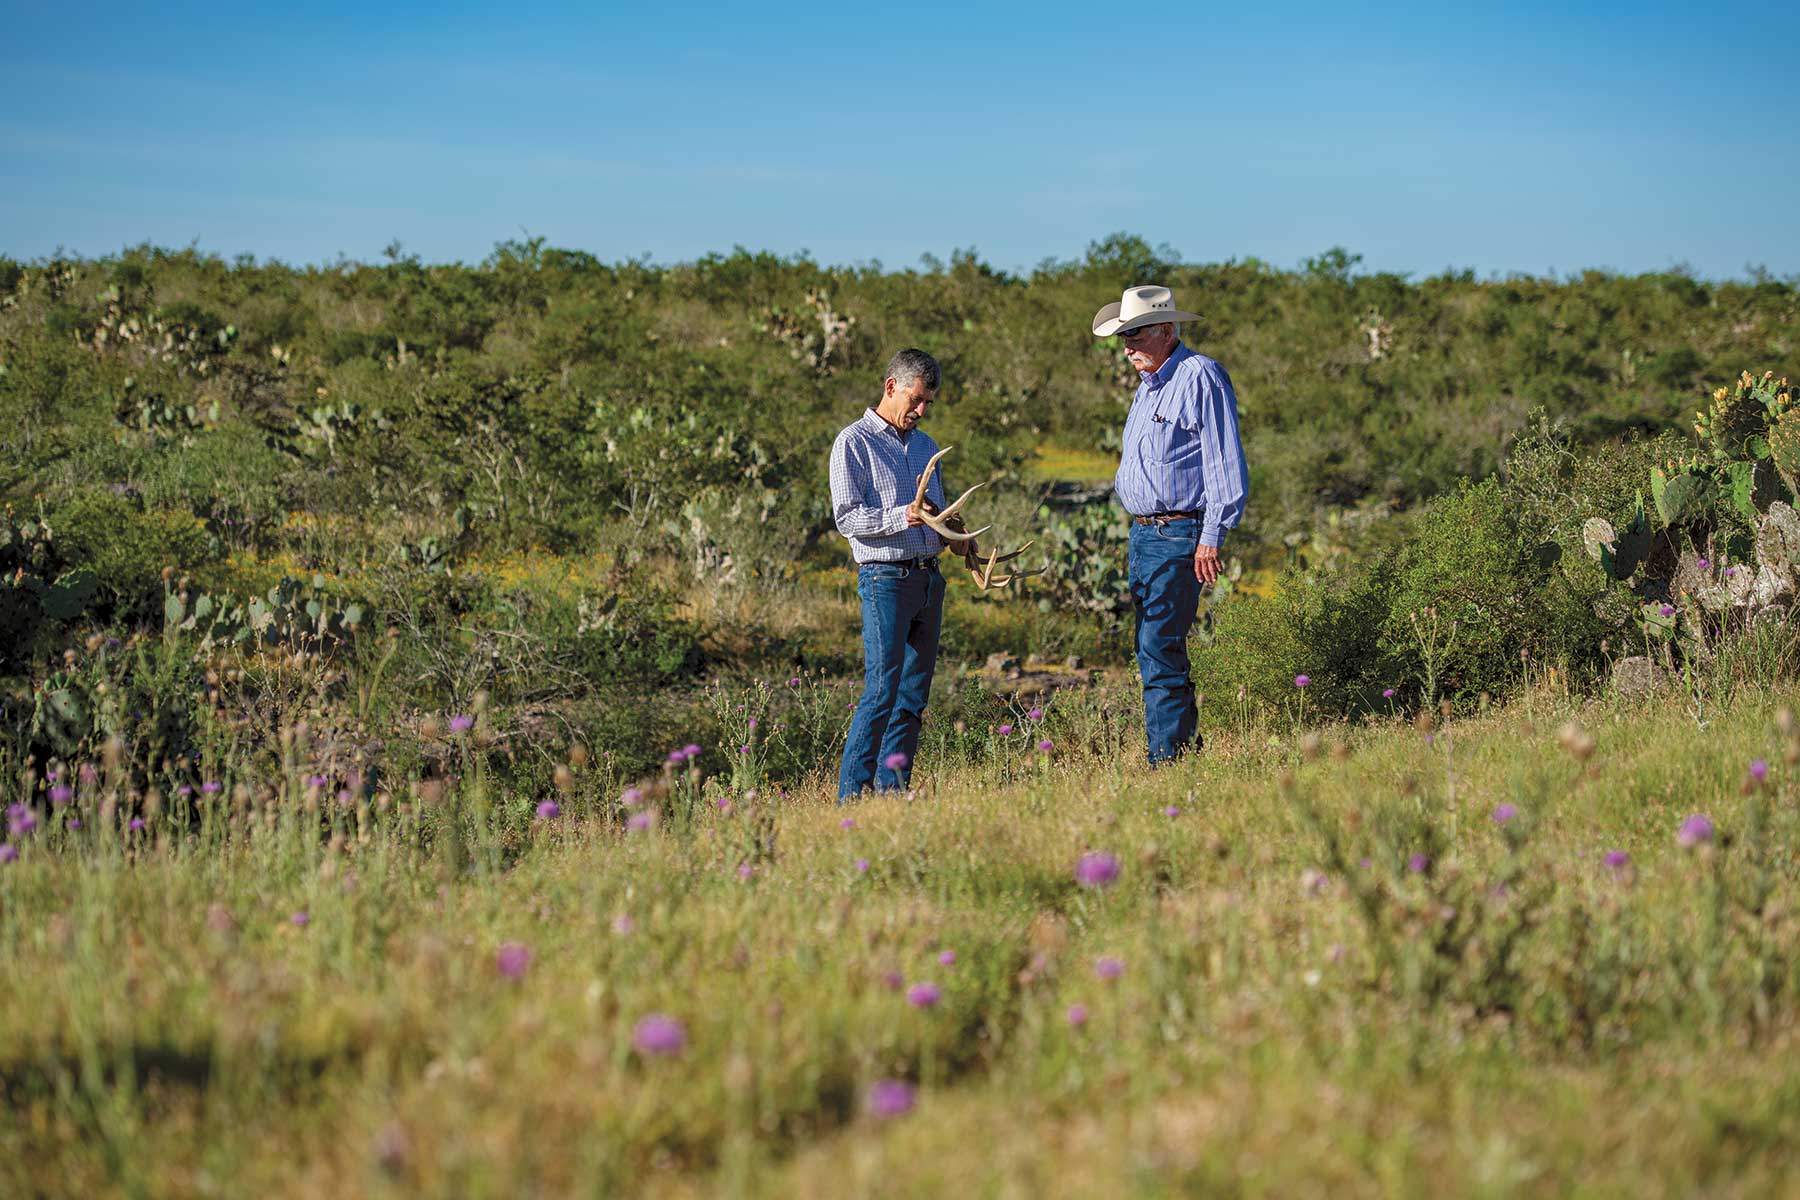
(909, 563)
(1163, 518)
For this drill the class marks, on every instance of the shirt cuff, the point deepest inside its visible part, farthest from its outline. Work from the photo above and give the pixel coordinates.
(1214, 537)
(896, 522)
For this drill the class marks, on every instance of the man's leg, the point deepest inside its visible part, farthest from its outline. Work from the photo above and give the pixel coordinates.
(884, 643)
(1165, 598)
(920, 661)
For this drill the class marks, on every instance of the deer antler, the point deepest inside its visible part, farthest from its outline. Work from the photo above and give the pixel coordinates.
(985, 577)
(951, 527)
(940, 521)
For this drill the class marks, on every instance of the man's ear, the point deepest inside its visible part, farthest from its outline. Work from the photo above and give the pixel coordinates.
(887, 388)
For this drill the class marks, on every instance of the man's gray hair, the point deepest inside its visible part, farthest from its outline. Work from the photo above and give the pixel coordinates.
(911, 364)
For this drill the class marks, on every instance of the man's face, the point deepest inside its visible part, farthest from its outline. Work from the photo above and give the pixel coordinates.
(908, 404)
(1148, 346)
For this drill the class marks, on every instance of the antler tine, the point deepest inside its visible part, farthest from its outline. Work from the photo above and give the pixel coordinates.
(952, 535)
(1008, 557)
(925, 478)
(953, 509)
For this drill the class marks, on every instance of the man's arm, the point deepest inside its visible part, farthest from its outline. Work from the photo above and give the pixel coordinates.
(852, 490)
(1222, 461)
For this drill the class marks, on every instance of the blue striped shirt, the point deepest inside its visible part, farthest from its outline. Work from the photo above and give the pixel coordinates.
(875, 473)
(1180, 451)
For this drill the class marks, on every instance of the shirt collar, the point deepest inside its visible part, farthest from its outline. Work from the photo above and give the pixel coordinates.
(878, 424)
(1163, 373)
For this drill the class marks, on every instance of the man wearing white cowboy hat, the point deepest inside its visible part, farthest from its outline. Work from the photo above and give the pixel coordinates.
(1183, 480)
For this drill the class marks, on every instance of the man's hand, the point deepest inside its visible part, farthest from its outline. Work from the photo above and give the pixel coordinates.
(915, 515)
(1206, 564)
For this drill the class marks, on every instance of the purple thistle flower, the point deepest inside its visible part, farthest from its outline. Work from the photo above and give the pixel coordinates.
(862, 866)
(1046, 745)
(676, 758)
(1096, 870)
(890, 1098)
(1172, 811)
(301, 919)
(1109, 966)
(136, 825)
(1759, 770)
(1004, 730)
(87, 773)
(184, 791)
(1301, 681)
(1077, 1015)
(549, 810)
(660, 1035)
(724, 802)
(631, 797)
(1036, 714)
(210, 786)
(893, 980)
(20, 820)
(61, 794)
(745, 870)
(1667, 610)
(8, 852)
(752, 723)
(461, 723)
(1504, 813)
(1730, 571)
(638, 821)
(1389, 693)
(690, 751)
(923, 995)
(512, 959)
(743, 749)
(946, 958)
(1618, 860)
(1418, 864)
(623, 925)
(794, 682)
(317, 781)
(74, 822)
(896, 761)
(847, 823)
(1704, 565)
(1694, 831)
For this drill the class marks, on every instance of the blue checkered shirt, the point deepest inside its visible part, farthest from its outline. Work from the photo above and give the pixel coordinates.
(875, 472)
(1180, 450)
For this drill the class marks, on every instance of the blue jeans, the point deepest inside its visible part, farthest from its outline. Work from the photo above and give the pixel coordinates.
(902, 608)
(1165, 597)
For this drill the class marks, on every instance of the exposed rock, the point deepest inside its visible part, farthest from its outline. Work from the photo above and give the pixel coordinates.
(1634, 676)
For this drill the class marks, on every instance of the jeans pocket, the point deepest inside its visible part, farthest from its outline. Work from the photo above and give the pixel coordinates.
(1185, 532)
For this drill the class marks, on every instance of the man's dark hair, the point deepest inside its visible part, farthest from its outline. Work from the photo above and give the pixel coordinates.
(911, 364)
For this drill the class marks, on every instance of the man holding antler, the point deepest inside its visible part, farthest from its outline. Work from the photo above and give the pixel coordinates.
(1182, 478)
(885, 502)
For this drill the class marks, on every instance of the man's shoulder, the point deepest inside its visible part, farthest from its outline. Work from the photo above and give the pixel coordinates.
(1199, 369)
(855, 431)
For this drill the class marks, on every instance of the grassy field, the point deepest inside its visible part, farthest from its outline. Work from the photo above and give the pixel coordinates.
(1391, 961)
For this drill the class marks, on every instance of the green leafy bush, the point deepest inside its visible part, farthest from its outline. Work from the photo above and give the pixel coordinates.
(127, 548)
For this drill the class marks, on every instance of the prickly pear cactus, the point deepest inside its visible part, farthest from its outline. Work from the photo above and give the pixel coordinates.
(1620, 551)
(1680, 492)
(1699, 582)
(1778, 544)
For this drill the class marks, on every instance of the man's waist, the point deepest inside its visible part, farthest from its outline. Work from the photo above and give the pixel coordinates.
(1163, 517)
(926, 561)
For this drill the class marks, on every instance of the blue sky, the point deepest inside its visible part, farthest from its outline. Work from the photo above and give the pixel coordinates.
(1525, 137)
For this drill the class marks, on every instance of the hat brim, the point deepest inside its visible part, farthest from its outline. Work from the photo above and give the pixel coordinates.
(1107, 322)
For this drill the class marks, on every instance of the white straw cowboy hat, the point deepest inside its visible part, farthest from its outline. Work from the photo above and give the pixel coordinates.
(1139, 306)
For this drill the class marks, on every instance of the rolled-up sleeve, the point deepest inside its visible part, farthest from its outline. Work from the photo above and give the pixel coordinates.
(852, 489)
(1222, 453)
